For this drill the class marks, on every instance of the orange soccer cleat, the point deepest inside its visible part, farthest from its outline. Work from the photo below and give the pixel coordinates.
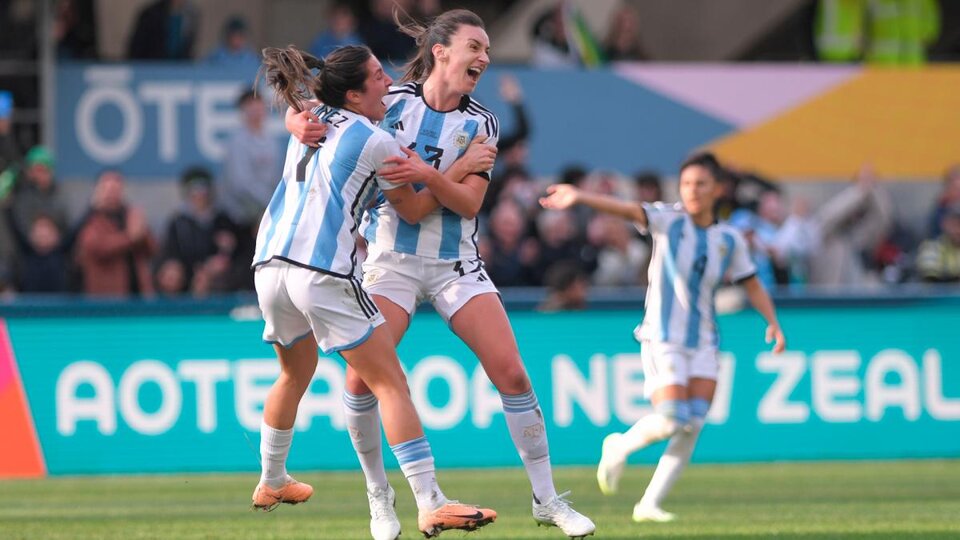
(293, 492)
(454, 515)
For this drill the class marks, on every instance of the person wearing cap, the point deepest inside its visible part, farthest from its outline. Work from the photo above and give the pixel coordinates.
(36, 193)
(938, 259)
(235, 49)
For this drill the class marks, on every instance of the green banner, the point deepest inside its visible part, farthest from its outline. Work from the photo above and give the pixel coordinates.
(185, 393)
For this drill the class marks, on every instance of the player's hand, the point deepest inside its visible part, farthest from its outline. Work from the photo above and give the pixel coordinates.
(560, 196)
(479, 156)
(407, 170)
(306, 127)
(775, 335)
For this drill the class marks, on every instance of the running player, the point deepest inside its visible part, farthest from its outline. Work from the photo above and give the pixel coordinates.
(432, 115)
(693, 255)
(305, 275)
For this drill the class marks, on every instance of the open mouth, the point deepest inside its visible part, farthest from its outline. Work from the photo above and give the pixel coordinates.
(474, 73)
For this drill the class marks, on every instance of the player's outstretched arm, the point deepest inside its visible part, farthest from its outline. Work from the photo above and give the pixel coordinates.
(761, 301)
(560, 196)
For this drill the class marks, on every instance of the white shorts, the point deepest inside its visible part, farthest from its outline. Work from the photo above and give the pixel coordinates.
(296, 301)
(407, 280)
(666, 364)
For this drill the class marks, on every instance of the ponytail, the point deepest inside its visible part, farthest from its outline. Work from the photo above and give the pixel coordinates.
(288, 71)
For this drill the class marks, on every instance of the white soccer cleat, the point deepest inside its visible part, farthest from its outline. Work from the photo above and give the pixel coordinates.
(646, 513)
(384, 524)
(611, 464)
(558, 513)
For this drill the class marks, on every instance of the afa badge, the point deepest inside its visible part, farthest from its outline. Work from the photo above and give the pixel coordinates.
(461, 139)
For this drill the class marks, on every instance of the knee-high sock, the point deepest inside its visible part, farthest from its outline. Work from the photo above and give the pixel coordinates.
(529, 434)
(416, 462)
(363, 423)
(274, 447)
(666, 420)
(675, 457)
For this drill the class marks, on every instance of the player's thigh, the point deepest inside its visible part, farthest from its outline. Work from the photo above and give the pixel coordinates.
(704, 369)
(299, 360)
(665, 371)
(398, 320)
(398, 278)
(483, 326)
(375, 362)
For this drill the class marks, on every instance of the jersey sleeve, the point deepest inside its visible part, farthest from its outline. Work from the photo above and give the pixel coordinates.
(741, 264)
(658, 216)
(385, 147)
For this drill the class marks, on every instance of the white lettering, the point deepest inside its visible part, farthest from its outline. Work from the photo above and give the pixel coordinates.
(590, 393)
(447, 369)
(108, 88)
(167, 95)
(250, 390)
(904, 394)
(938, 406)
(100, 408)
(205, 374)
(628, 388)
(775, 407)
(166, 415)
(828, 385)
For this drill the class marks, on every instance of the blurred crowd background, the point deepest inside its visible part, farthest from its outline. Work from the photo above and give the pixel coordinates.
(106, 245)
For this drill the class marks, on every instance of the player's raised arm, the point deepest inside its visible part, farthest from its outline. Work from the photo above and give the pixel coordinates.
(761, 301)
(560, 196)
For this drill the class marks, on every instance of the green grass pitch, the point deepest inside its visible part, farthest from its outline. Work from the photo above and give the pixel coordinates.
(870, 500)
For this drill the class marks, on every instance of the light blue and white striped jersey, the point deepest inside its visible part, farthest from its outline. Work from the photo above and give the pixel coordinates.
(440, 138)
(688, 264)
(312, 219)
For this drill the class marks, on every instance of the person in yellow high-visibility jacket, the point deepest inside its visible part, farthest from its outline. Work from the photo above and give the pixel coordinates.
(891, 32)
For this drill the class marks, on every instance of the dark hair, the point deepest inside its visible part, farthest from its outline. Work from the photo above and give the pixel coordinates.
(573, 175)
(562, 275)
(706, 160)
(289, 72)
(247, 95)
(438, 30)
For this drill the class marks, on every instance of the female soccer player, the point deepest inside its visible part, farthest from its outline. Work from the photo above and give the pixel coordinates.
(305, 266)
(432, 114)
(692, 256)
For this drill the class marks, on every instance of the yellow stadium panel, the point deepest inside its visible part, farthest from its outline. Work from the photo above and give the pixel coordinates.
(906, 122)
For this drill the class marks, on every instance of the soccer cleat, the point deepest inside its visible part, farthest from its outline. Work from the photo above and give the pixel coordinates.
(293, 492)
(643, 513)
(384, 524)
(611, 464)
(454, 515)
(557, 512)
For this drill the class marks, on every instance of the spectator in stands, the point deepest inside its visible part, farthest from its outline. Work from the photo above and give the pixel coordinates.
(938, 259)
(780, 244)
(9, 170)
(949, 196)
(199, 231)
(567, 288)
(623, 37)
(36, 191)
(512, 154)
(621, 257)
(551, 45)
(558, 242)
(235, 49)
(165, 30)
(114, 244)
(170, 279)
(649, 187)
(341, 30)
(249, 175)
(44, 255)
(508, 252)
(848, 225)
(74, 30)
(381, 34)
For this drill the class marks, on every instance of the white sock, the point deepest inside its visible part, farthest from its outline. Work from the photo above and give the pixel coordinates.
(667, 419)
(529, 434)
(274, 447)
(416, 462)
(363, 424)
(672, 462)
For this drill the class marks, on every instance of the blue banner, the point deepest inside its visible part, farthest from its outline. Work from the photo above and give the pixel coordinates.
(185, 393)
(152, 120)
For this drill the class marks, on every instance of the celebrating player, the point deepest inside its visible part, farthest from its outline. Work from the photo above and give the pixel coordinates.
(692, 256)
(432, 115)
(305, 275)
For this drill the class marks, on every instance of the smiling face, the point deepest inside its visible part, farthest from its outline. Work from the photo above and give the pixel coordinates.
(369, 102)
(466, 58)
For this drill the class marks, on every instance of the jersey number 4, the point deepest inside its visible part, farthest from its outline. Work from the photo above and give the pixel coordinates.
(433, 154)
